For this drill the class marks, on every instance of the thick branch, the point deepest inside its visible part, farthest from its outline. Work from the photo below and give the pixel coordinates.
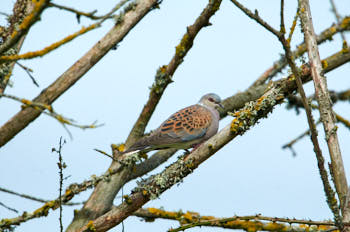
(19, 121)
(324, 102)
(155, 185)
(101, 199)
(23, 28)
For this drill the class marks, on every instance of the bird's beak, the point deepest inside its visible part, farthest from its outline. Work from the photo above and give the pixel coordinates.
(221, 106)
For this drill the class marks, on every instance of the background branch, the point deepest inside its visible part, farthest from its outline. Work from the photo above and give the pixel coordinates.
(324, 103)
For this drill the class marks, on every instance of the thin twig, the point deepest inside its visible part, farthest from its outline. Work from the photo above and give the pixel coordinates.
(48, 110)
(23, 28)
(61, 165)
(257, 18)
(78, 13)
(9, 208)
(28, 71)
(26, 196)
(292, 142)
(337, 17)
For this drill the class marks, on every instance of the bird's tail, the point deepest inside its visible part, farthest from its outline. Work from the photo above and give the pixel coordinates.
(141, 145)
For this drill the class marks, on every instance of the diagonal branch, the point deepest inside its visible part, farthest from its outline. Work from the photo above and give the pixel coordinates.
(324, 102)
(44, 51)
(27, 22)
(324, 36)
(101, 200)
(155, 185)
(130, 18)
(333, 62)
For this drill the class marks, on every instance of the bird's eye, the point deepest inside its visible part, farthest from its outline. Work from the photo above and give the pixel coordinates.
(211, 99)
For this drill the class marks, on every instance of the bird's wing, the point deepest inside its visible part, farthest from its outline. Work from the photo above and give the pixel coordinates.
(185, 125)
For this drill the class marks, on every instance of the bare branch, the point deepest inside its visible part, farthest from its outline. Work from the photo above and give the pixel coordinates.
(257, 18)
(324, 102)
(78, 13)
(28, 71)
(337, 17)
(26, 196)
(61, 166)
(8, 208)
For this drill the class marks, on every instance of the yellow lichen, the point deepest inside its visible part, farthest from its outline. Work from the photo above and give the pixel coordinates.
(44, 210)
(345, 23)
(90, 226)
(345, 47)
(163, 213)
(28, 20)
(68, 192)
(48, 49)
(324, 64)
(27, 102)
(127, 199)
(181, 48)
(272, 226)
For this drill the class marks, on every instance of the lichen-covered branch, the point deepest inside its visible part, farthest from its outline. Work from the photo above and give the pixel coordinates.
(247, 223)
(48, 110)
(33, 198)
(164, 73)
(46, 50)
(20, 9)
(337, 17)
(331, 200)
(23, 28)
(132, 15)
(157, 184)
(101, 199)
(325, 35)
(69, 193)
(324, 103)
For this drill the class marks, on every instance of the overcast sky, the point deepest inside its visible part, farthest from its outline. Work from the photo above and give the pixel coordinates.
(251, 175)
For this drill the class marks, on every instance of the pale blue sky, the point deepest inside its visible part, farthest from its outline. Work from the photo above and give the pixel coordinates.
(250, 175)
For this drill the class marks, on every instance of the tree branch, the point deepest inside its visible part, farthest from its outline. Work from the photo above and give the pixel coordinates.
(130, 18)
(27, 22)
(324, 103)
(157, 184)
(101, 200)
(324, 36)
(256, 222)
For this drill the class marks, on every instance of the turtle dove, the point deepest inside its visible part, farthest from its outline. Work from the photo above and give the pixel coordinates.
(184, 129)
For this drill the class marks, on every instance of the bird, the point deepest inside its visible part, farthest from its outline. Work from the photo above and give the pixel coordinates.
(187, 128)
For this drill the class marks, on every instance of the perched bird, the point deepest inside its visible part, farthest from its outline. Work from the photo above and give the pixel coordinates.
(184, 129)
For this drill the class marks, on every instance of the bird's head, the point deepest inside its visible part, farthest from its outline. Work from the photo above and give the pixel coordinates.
(212, 100)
